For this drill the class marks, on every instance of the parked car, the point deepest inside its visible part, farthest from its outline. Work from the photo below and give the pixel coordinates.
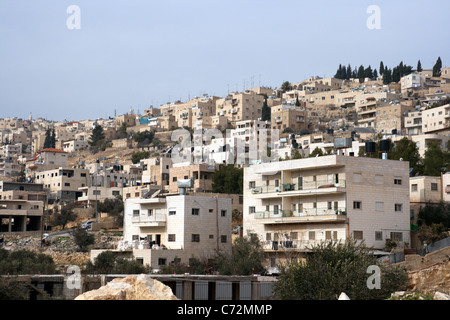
(87, 225)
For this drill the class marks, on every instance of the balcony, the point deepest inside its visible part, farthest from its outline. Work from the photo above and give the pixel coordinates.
(307, 215)
(305, 188)
(155, 220)
(278, 119)
(233, 110)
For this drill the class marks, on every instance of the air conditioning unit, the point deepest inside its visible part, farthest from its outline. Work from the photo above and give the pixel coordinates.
(277, 189)
(255, 190)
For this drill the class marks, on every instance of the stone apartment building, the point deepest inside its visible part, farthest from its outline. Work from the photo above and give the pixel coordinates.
(161, 230)
(297, 203)
(288, 116)
(45, 159)
(240, 106)
(63, 183)
(436, 120)
(390, 119)
(200, 173)
(156, 171)
(21, 207)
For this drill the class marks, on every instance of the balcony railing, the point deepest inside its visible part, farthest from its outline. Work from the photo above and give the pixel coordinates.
(152, 219)
(306, 212)
(305, 185)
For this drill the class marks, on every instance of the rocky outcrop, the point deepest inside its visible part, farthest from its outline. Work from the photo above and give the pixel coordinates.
(141, 287)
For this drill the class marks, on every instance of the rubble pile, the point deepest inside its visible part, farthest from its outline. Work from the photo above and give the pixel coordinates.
(141, 287)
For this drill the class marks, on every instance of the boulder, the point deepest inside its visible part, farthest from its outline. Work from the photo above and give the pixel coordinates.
(141, 287)
(441, 296)
(343, 296)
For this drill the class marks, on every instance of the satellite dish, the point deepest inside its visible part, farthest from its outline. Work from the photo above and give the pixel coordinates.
(401, 159)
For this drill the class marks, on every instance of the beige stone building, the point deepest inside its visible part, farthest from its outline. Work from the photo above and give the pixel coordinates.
(200, 173)
(436, 120)
(21, 207)
(240, 106)
(288, 116)
(390, 119)
(63, 183)
(297, 203)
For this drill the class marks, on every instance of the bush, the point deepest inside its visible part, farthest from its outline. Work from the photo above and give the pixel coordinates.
(108, 262)
(335, 267)
(25, 262)
(245, 259)
(83, 239)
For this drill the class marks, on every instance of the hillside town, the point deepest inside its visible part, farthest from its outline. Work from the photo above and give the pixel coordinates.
(361, 155)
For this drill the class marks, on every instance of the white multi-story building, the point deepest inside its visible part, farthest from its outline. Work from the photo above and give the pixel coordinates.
(294, 204)
(160, 230)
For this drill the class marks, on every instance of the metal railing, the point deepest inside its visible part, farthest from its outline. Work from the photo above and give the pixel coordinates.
(306, 212)
(160, 217)
(305, 185)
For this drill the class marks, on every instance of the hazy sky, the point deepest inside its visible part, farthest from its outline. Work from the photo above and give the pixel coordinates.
(137, 53)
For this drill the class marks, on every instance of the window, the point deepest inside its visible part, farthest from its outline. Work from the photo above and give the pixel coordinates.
(172, 211)
(67, 184)
(251, 210)
(378, 179)
(223, 239)
(357, 205)
(223, 213)
(378, 235)
(398, 207)
(251, 184)
(414, 188)
(268, 236)
(312, 235)
(275, 209)
(174, 179)
(195, 211)
(379, 206)
(150, 212)
(135, 213)
(398, 181)
(397, 236)
(434, 187)
(162, 261)
(171, 238)
(358, 235)
(195, 237)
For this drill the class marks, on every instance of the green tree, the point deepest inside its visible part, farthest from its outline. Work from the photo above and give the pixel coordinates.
(245, 259)
(114, 208)
(25, 262)
(65, 216)
(144, 138)
(83, 239)
(407, 150)
(432, 233)
(381, 68)
(97, 138)
(265, 111)
(437, 68)
(419, 66)
(138, 156)
(316, 152)
(48, 139)
(108, 262)
(333, 267)
(435, 160)
(434, 214)
(286, 86)
(228, 179)
(361, 74)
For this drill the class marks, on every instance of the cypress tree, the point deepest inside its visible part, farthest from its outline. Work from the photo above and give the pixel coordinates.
(265, 112)
(419, 66)
(437, 68)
